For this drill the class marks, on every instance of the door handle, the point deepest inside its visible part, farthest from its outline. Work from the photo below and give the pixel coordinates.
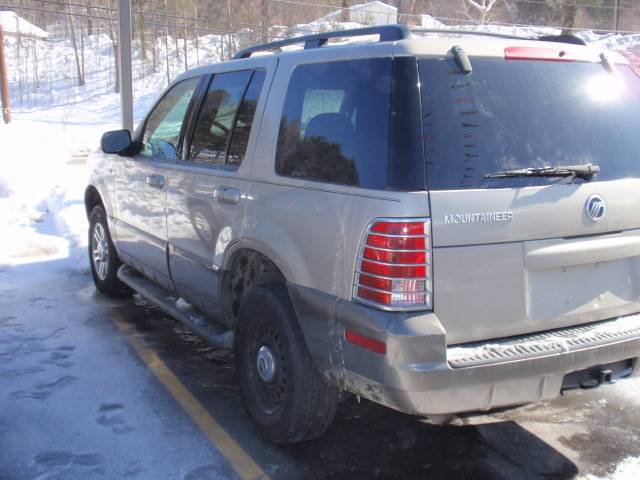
(227, 195)
(155, 181)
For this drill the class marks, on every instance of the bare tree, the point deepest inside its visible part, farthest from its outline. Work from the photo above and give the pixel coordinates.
(74, 43)
(154, 40)
(345, 12)
(569, 20)
(113, 36)
(404, 11)
(166, 44)
(143, 39)
(184, 36)
(195, 31)
(176, 32)
(482, 6)
(231, 47)
(266, 21)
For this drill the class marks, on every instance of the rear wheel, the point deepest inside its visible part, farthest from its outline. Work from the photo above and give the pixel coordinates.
(103, 258)
(285, 394)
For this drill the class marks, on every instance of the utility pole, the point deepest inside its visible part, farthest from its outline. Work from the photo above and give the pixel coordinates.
(616, 15)
(124, 53)
(4, 82)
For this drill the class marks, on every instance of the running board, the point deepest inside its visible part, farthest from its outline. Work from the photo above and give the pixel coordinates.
(166, 301)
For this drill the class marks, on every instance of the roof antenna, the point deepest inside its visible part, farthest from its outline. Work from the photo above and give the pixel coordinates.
(462, 59)
(608, 64)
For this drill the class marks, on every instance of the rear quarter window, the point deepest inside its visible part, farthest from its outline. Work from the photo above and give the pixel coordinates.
(335, 123)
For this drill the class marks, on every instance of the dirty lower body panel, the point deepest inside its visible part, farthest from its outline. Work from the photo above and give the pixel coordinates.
(420, 374)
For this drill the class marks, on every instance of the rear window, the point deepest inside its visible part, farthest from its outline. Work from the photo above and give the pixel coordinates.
(518, 114)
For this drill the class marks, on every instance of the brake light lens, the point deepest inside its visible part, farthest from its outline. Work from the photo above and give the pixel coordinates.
(393, 270)
(538, 53)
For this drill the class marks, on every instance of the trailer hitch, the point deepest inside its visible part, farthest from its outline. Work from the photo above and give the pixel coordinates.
(600, 376)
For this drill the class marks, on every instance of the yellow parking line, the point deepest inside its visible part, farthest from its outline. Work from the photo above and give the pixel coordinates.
(240, 460)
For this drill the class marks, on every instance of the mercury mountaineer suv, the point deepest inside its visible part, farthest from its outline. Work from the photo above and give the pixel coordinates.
(440, 222)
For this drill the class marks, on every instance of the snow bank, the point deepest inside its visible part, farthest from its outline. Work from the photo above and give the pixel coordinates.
(41, 193)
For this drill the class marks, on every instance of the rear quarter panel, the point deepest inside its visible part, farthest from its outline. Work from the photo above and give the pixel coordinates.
(312, 230)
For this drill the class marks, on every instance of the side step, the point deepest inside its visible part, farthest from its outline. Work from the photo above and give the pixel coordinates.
(165, 301)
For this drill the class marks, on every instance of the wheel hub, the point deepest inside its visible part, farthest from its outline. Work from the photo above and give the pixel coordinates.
(100, 251)
(266, 363)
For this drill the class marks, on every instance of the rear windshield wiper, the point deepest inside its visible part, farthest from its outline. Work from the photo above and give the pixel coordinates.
(582, 171)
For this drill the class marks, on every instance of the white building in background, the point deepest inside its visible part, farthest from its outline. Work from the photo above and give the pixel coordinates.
(12, 25)
(427, 21)
(372, 13)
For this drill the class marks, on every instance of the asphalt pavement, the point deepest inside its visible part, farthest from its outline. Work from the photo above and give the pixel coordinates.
(96, 388)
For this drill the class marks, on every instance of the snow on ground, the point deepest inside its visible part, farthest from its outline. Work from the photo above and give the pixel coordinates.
(626, 470)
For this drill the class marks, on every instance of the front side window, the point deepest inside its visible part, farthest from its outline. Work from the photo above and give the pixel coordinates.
(335, 123)
(164, 124)
(215, 122)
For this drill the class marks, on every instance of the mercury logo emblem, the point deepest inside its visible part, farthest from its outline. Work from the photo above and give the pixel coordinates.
(595, 208)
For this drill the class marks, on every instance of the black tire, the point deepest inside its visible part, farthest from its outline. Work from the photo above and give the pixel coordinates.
(106, 281)
(297, 404)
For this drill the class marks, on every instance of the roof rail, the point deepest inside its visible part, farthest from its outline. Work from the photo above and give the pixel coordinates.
(546, 38)
(387, 33)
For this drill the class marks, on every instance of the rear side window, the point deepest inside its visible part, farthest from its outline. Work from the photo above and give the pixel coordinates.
(229, 103)
(510, 115)
(335, 123)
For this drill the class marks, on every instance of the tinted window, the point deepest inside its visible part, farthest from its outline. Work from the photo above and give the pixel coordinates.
(517, 114)
(244, 120)
(164, 124)
(215, 120)
(335, 123)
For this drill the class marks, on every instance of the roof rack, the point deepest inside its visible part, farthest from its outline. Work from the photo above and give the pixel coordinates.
(387, 33)
(545, 38)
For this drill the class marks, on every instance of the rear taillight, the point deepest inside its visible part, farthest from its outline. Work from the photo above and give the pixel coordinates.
(393, 270)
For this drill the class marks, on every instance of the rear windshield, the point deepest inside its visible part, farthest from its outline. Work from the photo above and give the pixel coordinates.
(518, 114)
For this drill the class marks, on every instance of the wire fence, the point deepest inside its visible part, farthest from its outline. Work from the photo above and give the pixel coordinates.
(328, 8)
(78, 59)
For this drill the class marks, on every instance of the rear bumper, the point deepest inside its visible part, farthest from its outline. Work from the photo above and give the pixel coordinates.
(417, 375)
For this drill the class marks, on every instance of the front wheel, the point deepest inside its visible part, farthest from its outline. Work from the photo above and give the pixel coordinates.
(284, 393)
(103, 258)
